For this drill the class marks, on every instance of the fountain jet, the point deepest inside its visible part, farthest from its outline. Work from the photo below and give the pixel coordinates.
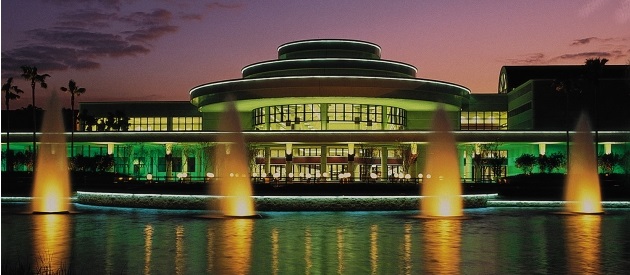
(233, 185)
(51, 186)
(582, 190)
(441, 188)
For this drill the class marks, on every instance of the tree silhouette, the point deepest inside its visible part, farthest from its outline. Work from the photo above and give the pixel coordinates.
(11, 92)
(89, 121)
(30, 74)
(73, 89)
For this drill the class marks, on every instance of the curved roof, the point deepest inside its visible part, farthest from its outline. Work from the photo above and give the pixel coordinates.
(329, 66)
(329, 71)
(399, 92)
(329, 48)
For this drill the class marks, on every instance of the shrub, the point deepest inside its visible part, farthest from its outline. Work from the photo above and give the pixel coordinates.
(526, 163)
(607, 162)
(548, 164)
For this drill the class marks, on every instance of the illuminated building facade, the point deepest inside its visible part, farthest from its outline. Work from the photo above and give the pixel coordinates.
(331, 109)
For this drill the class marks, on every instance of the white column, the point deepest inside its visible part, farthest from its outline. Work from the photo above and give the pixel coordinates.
(542, 148)
(351, 160)
(323, 162)
(607, 148)
(384, 163)
(289, 159)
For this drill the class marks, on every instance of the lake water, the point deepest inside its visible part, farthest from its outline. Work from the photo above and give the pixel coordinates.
(99, 240)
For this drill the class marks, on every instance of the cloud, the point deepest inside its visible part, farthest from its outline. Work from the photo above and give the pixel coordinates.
(585, 55)
(157, 17)
(528, 59)
(612, 48)
(583, 41)
(90, 44)
(110, 4)
(60, 48)
(151, 33)
(80, 38)
(219, 5)
(86, 19)
(191, 16)
(609, 47)
(610, 41)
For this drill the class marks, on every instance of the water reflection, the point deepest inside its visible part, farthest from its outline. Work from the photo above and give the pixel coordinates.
(148, 247)
(51, 243)
(320, 243)
(233, 250)
(374, 249)
(180, 264)
(210, 235)
(407, 245)
(340, 253)
(442, 246)
(308, 253)
(275, 248)
(583, 233)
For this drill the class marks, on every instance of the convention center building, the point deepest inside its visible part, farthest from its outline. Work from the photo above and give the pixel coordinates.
(335, 110)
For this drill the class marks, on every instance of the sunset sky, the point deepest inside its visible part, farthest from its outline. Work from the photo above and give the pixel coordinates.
(136, 50)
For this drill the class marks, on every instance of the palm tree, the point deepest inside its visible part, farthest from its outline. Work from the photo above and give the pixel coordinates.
(30, 74)
(594, 68)
(11, 92)
(73, 89)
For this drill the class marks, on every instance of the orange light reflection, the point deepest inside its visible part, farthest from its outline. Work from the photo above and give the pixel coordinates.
(233, 249)
(374, 249)
(148, 247)
(442, 242)
(340, 251)
(51, 244)
(583, 233)
(180, 261)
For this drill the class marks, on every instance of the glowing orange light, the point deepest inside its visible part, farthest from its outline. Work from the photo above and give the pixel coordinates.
(582, 191)
(441, 194)
(51, 186)
(236, 192)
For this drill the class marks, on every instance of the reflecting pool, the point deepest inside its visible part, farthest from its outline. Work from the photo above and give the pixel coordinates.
(145, 241)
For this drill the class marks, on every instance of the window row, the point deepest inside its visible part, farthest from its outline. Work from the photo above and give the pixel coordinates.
(484, 120)
(296, 114)
(161, 124)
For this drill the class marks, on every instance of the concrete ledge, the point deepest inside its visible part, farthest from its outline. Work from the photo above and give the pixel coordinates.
(270, 203)
(517, 203)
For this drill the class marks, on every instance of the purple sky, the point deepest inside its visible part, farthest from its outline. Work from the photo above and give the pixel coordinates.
(135, 50)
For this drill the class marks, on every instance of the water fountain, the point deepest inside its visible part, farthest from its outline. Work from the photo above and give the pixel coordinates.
(441, 188)
(582, 190)
(51, 186)
(233, 185)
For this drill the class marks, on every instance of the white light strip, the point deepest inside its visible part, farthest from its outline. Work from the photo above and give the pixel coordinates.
(79, 193)
(327, 77)
(328, 41)
(328, 59)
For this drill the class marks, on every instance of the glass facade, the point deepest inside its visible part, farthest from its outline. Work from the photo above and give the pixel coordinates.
(187, 123)
(338, 116)
(484, 121)
(148, 124)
